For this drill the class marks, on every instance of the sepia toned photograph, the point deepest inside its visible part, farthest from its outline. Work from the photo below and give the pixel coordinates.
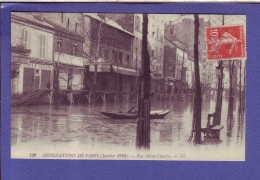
(110, 86)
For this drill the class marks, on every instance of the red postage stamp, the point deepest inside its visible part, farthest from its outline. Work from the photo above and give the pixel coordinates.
(225, 43)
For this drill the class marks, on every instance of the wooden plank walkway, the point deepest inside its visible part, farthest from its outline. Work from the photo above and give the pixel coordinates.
(28, 98)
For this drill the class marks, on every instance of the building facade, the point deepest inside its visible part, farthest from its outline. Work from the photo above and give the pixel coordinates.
(110, 46)
(68, 48)
(180, 66)
(31, 53)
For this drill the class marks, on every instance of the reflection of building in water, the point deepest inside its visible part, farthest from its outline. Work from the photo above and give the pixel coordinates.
(16, 128)
(29, 128)
(206, 103)
(166, 133)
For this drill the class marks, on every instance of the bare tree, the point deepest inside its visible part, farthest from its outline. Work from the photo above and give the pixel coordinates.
(69, 74)
(102, 19)
(231, 67)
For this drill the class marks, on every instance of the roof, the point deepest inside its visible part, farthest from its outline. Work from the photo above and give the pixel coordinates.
(61, 29)
(108, 21)
(28, 17)
(36, 19)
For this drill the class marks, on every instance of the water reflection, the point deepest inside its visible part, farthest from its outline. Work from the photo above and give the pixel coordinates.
(86, 125)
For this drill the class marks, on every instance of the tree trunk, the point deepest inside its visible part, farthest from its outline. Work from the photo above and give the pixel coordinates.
(143, 126)
(240, 82)
(231, 98)
(96, 64)
(117, 83)
(56, 86)
(197, 99)
(94, 88)
(182, 65)
(244, 91)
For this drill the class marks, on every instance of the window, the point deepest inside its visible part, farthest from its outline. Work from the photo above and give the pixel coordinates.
(120, 58)
(106, 54)
(74, 47)
(25, 39)
(76, 26)
(127, 59)
(37, 72)
(137, 45)
(137, 23)
(59, 43)
(101, 52)
(68, 25)
(42, 43)
(115, 56)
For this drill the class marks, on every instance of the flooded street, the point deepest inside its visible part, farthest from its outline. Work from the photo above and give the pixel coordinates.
(83, 128)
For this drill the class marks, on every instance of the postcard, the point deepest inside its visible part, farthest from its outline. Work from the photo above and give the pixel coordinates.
(127, 86)
(129, 91)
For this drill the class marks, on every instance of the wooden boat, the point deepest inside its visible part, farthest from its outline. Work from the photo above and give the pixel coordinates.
(122, 115)
(158, 114)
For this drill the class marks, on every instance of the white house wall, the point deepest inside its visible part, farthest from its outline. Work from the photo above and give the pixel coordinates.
(33, 39)
(77, 81)
(33, 34)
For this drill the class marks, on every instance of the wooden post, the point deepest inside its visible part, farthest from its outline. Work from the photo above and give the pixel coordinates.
(197, 99)
(86, 76)
(143, 126)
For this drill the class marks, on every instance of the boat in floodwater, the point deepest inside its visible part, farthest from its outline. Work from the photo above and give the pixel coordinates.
(158, 114)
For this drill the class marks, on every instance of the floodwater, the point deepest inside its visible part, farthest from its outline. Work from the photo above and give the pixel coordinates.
(83, 128)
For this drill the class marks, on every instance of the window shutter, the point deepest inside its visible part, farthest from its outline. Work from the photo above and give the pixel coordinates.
(22, 36)
(46, 47)
(29, 41)
(25, 39)
(43, 47)
(40, 46)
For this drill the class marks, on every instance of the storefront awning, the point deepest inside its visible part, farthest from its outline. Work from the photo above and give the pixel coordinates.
(126, 71)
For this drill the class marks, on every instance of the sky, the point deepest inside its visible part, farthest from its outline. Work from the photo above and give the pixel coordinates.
(216, 20)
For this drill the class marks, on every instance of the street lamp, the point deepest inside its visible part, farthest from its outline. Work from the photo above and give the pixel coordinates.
(219, 70)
